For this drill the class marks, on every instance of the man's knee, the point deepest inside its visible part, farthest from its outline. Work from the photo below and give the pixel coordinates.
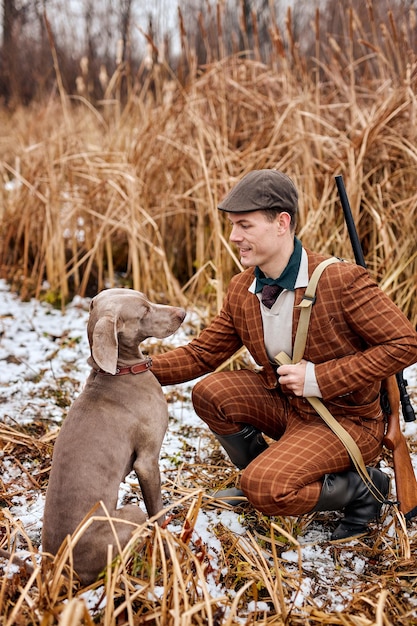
(201, 397)
(273, 495)
(258, 492)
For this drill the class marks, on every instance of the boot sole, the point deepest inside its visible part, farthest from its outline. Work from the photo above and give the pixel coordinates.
(350, 538)
(230, 496)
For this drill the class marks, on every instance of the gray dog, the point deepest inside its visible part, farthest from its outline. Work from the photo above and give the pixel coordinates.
(116, 425)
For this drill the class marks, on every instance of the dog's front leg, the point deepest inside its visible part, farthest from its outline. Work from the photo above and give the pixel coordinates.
(147, 471)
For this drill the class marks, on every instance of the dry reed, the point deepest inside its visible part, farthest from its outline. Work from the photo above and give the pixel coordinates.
(166, 577)
(104, 195)
(93, 196)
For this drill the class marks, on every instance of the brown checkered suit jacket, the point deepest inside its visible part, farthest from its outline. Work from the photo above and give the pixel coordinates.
(357, 337)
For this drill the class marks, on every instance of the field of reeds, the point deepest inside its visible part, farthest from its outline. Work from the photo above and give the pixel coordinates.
(124, 192)
(108, 194)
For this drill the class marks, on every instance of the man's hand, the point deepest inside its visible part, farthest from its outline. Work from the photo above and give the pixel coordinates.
(292, 377)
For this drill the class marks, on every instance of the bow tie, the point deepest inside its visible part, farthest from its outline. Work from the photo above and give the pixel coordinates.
(269, 294)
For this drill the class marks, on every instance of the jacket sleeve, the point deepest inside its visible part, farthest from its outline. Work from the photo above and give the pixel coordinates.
(388, 342)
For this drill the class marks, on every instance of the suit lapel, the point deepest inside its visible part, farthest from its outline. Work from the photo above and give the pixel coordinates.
(256, 330)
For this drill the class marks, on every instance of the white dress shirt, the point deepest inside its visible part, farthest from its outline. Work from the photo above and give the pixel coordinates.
(277, 323)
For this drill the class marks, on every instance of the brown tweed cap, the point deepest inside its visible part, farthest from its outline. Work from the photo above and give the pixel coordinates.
(262, 189)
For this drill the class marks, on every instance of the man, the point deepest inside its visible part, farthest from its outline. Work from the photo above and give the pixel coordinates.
(357, 337)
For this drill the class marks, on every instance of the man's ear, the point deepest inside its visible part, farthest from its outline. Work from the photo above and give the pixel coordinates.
(284, 221)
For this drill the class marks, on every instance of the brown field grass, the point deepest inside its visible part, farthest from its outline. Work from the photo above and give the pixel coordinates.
(107, 194)
(178, 562)
(111, 193)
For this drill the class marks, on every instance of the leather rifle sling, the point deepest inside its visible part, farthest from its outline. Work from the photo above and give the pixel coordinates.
(299, 346)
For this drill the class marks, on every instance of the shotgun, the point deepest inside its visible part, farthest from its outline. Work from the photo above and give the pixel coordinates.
(393, 393)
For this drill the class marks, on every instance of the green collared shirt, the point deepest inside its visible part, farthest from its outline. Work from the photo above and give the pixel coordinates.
(288, 277)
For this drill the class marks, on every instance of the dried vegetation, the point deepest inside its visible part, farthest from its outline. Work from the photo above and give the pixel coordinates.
(106, 194)
(112, 193)
(165, 576)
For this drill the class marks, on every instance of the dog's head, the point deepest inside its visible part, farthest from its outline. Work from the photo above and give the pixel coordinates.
(120, 319)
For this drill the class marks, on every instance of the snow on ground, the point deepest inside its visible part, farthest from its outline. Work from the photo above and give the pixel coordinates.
(43, 365)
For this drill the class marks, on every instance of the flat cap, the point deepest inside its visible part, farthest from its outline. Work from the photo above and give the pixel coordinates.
(262, 189)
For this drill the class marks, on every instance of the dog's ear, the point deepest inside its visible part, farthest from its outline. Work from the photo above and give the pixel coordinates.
(105, 345)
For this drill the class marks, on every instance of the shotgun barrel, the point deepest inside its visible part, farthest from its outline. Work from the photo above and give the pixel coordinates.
(347, 212)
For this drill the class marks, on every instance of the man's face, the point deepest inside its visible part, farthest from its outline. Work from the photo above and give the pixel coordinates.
(257, 239)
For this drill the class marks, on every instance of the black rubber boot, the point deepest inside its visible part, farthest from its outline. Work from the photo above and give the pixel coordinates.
(348, 491)
(242, 448)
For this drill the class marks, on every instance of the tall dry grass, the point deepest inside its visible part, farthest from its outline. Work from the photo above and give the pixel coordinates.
(126, 193)
(167, 576)
(109, 194)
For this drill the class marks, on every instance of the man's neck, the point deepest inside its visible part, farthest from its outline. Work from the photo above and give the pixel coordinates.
(275, 269)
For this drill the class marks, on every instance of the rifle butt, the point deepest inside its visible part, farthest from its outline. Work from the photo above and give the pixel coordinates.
(405, 480)
(394, 440)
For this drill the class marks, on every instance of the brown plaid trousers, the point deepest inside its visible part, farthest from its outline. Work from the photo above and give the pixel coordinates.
(357, 337)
